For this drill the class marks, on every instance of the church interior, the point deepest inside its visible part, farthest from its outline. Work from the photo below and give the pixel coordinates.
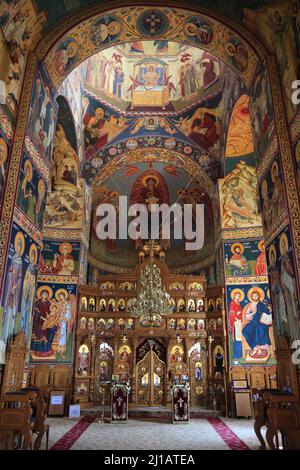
(159, 103)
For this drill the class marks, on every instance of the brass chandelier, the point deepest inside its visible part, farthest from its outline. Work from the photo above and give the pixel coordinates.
(152, 301)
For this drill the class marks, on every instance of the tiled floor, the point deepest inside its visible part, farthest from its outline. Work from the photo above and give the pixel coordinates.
(223, 434)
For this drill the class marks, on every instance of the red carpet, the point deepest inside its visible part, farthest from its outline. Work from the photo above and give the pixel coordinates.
(66, 442)
(228, 436)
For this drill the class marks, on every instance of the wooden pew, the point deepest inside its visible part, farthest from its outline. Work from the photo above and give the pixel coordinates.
(283, 416)
(38, 416)
(15, 419)
(279, 413)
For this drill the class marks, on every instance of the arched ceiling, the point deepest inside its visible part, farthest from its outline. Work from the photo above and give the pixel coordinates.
(177, 180)
(135, 23)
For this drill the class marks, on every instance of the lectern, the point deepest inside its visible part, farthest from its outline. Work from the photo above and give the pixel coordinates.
(180, 403)
(119, 402)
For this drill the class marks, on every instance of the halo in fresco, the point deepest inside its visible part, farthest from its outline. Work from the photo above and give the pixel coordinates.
(283, 244)
(33, 250)
(237, 54)
(152, 23)
(105, 30)
(237, 245)
(20, 237)
(46, 288)
(256, 289)
(65, 55)
(197, 30)
(237, 291)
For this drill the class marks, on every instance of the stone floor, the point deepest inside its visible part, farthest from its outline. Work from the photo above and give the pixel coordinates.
(205, 433)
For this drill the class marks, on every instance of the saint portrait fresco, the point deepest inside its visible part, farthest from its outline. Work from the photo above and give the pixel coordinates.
(245, 258)
(31, 193)
(283, 286)
(59, 258)
(4, 149)
(250, 324)
(272, 194)
(53, 323)
(19, 288)
(43, 111)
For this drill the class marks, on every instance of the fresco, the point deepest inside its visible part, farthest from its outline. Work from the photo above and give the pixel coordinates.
(31, 193)
(261, 111)
(72, 90)
(161, 75)
(142, 182)
(272, 194)
(277, 24)
(284, 287)
(203, 124)
(297, 163)
(4, 156)
(245, 258)
(59, 258)
(53, 323)
(238, 195)
(19, 287)
(239, 136)
(43, 112)
(251, 339)
(101, 125)
(20, 26)
(65, 203)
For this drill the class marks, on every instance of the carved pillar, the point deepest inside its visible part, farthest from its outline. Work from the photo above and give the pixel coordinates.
(93, 359)
(134, 378)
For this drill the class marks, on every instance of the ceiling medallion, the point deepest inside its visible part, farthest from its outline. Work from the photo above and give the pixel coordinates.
(152, 23)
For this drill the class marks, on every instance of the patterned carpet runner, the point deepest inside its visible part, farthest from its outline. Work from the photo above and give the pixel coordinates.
(228, 436)
(68, 439)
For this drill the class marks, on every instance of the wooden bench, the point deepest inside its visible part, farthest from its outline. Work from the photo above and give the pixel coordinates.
(279, 413)
(15, 419)
(38, 417)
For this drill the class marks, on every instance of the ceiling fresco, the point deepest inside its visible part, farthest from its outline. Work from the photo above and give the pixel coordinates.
(151, 75)
(62, 9)
(110, 125)
(170, 184)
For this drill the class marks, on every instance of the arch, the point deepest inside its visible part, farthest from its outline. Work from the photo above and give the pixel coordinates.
(134, 156)
(223, 37)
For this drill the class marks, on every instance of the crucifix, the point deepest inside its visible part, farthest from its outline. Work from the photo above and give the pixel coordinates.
(120, 401)
(153, 22)
(180, 401)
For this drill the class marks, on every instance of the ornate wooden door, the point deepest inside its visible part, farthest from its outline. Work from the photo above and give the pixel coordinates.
(151, 379)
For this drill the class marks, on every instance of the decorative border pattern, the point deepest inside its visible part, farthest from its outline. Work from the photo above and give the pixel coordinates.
(15, 160)
(286, 154)
(247, 280)
(62, 234)
(36, 157)
(27, 225)
(58, 279)
(242, 233)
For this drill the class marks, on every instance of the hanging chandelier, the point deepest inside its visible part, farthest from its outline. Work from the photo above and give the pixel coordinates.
(152, 301)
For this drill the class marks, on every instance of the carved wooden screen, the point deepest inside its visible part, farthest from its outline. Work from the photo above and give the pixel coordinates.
(14, 367)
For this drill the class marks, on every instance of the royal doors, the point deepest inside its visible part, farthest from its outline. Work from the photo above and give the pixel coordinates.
(151, 380)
